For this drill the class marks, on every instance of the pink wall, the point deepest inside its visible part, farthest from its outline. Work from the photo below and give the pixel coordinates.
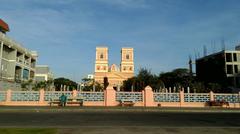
(110, 97)
(110, 100)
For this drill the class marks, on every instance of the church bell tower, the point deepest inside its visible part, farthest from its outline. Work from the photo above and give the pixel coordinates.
(127, 60)
(101, 63)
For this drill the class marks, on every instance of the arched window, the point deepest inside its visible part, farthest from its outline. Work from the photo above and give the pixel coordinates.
(101, 56)
(127, 57)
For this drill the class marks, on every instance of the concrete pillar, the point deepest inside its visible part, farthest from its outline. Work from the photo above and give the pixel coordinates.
(9, 95)
(143, 97)
(1, 53)
(41, 95)
(239, 99)
(181, 95)
(239, 95)
(211, 95)
(110, 96)
(148, 97)
(74, 92)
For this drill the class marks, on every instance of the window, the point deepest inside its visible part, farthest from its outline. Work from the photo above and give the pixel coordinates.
(127, 57)
(229, 69)
(130, 68)
(236, 68)
(101, 56)
(234, 57)
(25, 74)
(98, 67)
(228, 57)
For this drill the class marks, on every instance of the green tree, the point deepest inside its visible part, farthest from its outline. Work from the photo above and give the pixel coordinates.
(143, 79)
(46, 85)
(89, 85)
(40, 85)
(27, 85)
(59, 82)
(177, 78)
(198, 87)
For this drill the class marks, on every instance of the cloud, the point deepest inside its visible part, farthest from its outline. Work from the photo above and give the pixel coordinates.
(162, 32)
(45, 24)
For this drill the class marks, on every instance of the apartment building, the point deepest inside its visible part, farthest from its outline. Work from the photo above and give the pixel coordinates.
(43, 73)
(16, 62)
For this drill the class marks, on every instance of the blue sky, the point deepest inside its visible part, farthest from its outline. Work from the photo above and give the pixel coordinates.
(163, 32)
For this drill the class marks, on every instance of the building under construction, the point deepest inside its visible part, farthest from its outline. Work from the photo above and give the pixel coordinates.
(222, 67)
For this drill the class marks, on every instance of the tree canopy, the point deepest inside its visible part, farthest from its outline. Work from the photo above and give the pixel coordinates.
(91, 85)
(61, 82)
(178, 78)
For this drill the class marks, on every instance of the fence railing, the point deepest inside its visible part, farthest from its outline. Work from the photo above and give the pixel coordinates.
(91, 96)
(2, 95)
(135, 96)
(196, 97)
(50, 95)
(25, 96)
(112, 97)
(166, 97)
(232, 98)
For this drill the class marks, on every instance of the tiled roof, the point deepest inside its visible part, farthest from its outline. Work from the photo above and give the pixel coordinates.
(4, 25)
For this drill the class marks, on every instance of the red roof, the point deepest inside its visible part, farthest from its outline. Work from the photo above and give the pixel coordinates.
(4, 25)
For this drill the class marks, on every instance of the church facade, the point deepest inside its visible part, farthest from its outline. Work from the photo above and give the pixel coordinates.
(116, 75)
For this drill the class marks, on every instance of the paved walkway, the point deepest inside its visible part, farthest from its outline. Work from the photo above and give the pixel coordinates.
(149, 130)
(125, 119)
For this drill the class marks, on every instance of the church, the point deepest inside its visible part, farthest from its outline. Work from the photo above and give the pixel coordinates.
(115, 75)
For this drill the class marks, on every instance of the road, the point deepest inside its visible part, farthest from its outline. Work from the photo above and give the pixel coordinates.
(101, 120)
(152, 119)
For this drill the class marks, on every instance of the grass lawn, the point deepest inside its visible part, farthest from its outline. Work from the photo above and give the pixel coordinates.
(28, 131)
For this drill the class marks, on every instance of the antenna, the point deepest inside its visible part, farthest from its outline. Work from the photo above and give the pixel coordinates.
(195, 54)
(204, 50)
(223, 44)
(190, 65)
(214, 46)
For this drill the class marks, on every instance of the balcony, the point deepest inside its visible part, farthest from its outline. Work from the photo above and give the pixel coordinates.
(19, 60)
(27, 63)
(8, 41)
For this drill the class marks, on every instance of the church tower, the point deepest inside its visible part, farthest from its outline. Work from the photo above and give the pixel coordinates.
(101, 63)
(127, 61)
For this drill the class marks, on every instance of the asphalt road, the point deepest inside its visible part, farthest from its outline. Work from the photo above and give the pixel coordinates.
(118, 119)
